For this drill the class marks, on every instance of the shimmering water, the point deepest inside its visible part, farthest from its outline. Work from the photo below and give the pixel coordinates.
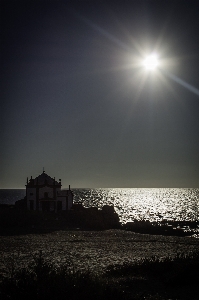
(145, 204)
(141, 204)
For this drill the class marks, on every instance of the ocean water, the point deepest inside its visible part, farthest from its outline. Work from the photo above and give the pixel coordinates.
(155, 204)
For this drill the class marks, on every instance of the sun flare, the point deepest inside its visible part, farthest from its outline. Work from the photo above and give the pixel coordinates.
(151, 62)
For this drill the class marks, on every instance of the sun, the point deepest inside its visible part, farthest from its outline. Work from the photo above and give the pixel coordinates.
(151, 62)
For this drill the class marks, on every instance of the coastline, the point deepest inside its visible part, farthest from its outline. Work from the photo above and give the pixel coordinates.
(16, 220)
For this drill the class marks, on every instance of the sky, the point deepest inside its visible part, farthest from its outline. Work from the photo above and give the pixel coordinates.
(77, 101)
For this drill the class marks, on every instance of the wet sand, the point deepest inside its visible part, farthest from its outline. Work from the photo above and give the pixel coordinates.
(93, 250)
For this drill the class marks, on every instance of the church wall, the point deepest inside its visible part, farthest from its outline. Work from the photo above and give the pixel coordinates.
(64, 204)
(70, 200)
(63, 200)
(31, 196)
(44, 190)
(52, 205)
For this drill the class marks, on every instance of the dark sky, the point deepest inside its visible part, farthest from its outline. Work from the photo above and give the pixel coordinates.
(76, 101)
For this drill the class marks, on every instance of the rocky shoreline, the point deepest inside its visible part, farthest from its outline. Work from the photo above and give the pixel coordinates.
(16, 220)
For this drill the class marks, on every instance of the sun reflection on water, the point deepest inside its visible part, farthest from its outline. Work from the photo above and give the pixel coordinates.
(145, 204)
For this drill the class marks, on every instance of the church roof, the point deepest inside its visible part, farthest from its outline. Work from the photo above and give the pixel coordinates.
(43, 179)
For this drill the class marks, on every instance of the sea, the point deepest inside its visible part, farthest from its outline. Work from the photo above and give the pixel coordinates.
(149, 204)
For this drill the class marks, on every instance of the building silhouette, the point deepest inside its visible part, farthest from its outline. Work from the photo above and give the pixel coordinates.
(44, 193)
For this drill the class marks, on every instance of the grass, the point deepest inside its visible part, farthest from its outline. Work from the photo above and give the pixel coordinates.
(42, 280)
(171, 278)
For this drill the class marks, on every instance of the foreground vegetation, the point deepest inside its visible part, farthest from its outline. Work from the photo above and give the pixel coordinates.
(42, 280)
(171, 278)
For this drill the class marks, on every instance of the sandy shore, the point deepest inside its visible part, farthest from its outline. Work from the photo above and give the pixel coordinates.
(93, 250)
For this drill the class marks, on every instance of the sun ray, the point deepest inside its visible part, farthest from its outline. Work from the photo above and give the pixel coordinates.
(167, 84)
(185, 84)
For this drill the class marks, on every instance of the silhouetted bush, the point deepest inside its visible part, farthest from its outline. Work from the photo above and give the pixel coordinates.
(154, 279)
(167, 278)
(42, 280)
